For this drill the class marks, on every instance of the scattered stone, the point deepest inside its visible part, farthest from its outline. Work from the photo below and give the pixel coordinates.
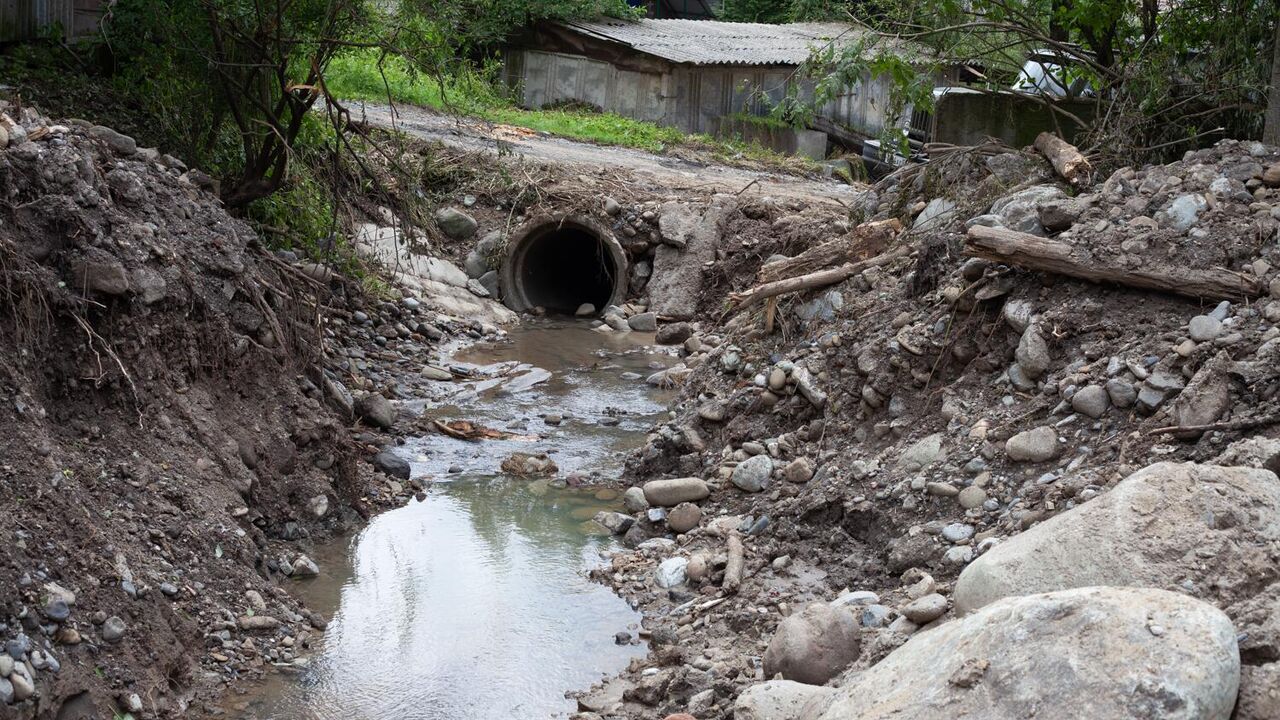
(1182, 212)
(799, 470)
(813, 645)
(957, 532)
(1204, 328)
(669, 493)
(305, 567)
(528, 465)
(1033, 353)
(1091, 400)
(643, 322)
(671, 572)
(615, 522)
(925, 610)
(258, 623)
(674, 333)
(113, 629)
(941, 489)
(712, 411)
(875, 615)
(119, 143)
(1121, 393)
(455, 223)
(753, 474)
(392, 464)
(684, 517)
(923, 453)
(375, 410)
(972, 497)
(585, 310)
(1036, 445)
(22, 685)
(57, 610)
(634, 501)
(106, 277)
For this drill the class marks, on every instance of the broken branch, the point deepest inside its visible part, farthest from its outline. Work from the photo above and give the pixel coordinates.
(867, 239)
(822, 278)
(1067, 161)
(1036, 253)
(733, 567)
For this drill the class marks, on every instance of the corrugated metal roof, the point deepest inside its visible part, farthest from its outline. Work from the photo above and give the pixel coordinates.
(709, 42)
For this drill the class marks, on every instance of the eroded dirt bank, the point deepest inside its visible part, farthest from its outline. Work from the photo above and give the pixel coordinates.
(851, 505)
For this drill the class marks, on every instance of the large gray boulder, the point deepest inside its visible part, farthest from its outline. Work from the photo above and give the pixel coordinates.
(1150, 530)
(781, 700)
(1085, 654)
(813, 645)
(1021, 210)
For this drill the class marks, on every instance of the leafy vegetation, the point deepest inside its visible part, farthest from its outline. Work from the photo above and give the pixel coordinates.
(1168, 75)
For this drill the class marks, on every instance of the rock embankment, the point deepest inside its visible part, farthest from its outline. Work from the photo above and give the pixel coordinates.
(940, 440)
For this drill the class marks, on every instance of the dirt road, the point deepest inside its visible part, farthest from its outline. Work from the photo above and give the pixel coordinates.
(657, 171)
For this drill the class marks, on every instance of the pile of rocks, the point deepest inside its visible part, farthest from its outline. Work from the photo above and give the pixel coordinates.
(916, 452)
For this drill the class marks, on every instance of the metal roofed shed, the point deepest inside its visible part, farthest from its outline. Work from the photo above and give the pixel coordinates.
(703, 42)
(701, 76)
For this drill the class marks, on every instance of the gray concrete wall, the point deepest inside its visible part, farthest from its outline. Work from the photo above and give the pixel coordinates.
(692, 98)
(546, 78)
(965, 117)
(791, 141)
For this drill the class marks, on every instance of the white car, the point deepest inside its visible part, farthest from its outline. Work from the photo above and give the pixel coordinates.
(1051, 73)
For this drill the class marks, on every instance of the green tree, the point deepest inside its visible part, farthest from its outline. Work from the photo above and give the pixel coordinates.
(1166, 76)
(755, 11)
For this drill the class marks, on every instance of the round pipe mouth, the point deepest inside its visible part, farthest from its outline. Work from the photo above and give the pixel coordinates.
(561, 262)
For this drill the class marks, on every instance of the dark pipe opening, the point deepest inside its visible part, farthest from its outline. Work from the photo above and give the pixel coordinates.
(566, 267)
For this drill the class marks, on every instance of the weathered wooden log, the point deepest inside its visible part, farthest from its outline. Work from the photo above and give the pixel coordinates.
(1036, 253)
(866, 240)
(1067, 161)
(822, 278)
(734, 565)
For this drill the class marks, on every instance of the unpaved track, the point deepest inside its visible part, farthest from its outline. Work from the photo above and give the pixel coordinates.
(656, 170)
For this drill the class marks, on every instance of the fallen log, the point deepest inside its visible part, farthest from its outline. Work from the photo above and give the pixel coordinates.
(1036, 253)
(734, 565)
(822, 278)
(1067, 161)
(866, 240)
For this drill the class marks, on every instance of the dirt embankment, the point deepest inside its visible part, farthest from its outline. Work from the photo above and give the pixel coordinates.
(177, 430)
(920, 417)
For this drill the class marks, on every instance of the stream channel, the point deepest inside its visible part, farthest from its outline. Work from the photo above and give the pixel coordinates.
(474, 602)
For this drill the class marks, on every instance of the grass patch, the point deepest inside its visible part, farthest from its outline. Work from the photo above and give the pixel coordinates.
(365, 75)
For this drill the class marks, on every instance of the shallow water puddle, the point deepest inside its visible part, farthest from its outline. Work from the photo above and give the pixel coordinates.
(474, 602)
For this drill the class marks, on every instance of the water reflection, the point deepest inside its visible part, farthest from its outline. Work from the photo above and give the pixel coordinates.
(473, 603)
(470, 604)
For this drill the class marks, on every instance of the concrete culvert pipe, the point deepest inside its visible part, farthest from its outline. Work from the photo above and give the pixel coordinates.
(560, 262)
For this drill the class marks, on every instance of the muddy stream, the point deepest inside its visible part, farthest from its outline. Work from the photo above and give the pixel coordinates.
(474, 603)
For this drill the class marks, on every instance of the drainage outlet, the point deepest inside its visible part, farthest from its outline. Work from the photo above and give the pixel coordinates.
(561, 262)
